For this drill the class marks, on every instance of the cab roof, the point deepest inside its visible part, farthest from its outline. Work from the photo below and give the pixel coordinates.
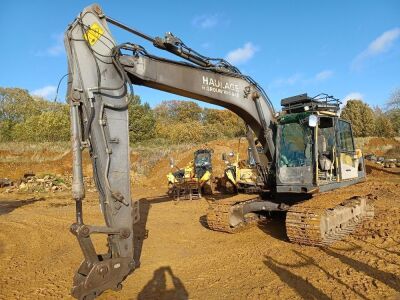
(302, 103)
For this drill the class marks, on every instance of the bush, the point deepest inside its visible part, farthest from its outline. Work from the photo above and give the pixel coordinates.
(186, 121)
(50, 126)
(27, 118)
(190, 132)
(383, 126)
(142, 123)
(227, 123)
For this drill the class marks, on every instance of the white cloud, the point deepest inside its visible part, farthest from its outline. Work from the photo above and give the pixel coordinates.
(300, 79)
(380, 45)
(45, 92)
(383, 42)
(56, 49)
(291, 80)
(206, 21)
(243, 54)
(352, 96)
(323, 75)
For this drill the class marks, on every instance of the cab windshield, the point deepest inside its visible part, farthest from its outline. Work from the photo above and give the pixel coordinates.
(202, 159)
(295, 145)
(252, 161)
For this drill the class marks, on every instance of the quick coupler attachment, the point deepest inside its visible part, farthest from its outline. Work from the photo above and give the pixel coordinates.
(98, 273)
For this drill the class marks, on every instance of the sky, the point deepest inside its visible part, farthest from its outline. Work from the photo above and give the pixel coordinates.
(348, 49)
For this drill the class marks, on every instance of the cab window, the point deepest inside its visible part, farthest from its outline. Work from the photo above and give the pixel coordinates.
(345, 136)
(295, 145)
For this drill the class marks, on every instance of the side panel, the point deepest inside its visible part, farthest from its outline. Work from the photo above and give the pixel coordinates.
(348, 166)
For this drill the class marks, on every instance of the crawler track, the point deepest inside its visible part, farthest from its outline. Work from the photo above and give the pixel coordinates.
(218, 215)
(310, 223)
(319, 221)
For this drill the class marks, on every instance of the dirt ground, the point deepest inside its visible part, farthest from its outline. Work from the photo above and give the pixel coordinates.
(182, 259)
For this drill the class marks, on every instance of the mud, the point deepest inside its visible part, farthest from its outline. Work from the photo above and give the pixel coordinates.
(182, 259)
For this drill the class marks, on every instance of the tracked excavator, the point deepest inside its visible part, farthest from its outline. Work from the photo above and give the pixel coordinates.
(195, 179)
(307, 148)
(241, 174)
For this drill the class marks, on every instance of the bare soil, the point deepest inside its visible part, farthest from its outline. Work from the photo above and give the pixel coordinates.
(182, 259)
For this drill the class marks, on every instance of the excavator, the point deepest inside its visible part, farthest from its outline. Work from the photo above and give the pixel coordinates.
(194, 179)
(242, 174)
(307, 148)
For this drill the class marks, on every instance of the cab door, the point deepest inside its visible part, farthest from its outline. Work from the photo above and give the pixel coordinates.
(348, 160)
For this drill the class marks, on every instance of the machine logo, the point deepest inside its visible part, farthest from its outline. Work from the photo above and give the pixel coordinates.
(221, 87)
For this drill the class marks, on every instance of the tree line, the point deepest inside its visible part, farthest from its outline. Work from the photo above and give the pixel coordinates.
(375, 121)
(24, 117)
(27, 118)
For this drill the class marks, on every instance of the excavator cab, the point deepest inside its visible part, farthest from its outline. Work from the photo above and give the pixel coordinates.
(202, 162)
(315, 148)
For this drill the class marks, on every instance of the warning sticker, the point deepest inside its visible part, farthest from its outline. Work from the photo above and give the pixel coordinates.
(93, 34)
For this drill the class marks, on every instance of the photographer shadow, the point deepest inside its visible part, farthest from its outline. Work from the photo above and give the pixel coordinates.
(159, 287)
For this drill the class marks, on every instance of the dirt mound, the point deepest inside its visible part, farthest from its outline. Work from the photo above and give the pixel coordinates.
(379, 146)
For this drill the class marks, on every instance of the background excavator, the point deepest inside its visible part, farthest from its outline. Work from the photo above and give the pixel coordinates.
(307, 149)
(240, 175)
(194, 179)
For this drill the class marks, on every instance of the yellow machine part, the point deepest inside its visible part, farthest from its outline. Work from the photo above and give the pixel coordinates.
(346, 158)
(189, 173)
(358, 153)
(230, 176)
(205, 177)
(247, 175)
(171, 178)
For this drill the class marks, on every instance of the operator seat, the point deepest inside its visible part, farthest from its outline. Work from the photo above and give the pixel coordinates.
(324, 161)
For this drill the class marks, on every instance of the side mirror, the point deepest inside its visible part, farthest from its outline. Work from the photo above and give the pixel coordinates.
(312, 121)
(171, 163)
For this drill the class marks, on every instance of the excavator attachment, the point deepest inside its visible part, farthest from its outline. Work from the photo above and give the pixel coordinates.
(98, 99)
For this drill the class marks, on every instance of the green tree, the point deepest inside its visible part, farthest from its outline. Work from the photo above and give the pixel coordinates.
(361, 117)
(186, 121)
(17, 106)
(394, 111)
(227, 123)
(383, 124)
(394, 100)
(181, 132)
(394, 117)
(49, 126)
(141, 120)
(179, 111)
(6, 130)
